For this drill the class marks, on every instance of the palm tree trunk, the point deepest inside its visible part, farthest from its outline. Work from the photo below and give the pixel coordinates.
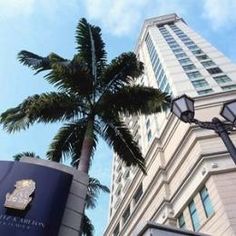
(87, 147)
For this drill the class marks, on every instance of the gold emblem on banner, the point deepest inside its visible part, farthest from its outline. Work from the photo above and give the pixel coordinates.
(20, 197)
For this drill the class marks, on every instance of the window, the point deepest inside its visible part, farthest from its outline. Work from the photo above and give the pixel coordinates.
(200, 83)
(205, 91)
(185, 61)
(126, 214)
(194, 216)
(208, 63)
(181, 55)
(117, 230)
(147, 124)
(193, 47)
(194, 75)
(222, 79)
(149, 135)
(181, 221)
(229, 87)
(203, 57)
(163, 83)
(167, 89)
(215, 70)
(197, 52)
(118, 192)
(138, 193)
(174, 46)
(177, 50)
(127, 174)
(206, 201)
(189, 67)
(189, 43)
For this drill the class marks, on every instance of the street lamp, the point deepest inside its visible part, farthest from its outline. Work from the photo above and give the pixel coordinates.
(183, 108)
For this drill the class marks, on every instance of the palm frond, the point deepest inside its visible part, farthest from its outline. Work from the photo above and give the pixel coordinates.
(91, 46)
(121, 71)
(64, 143)
(134, 100)
(94, 188)
(87, 226)
(73, 77)
(47, 107)
(118, 136)
(18, 156)
(39, 63)
(76, 150)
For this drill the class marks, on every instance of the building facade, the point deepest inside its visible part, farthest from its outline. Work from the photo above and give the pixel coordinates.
(191, 179)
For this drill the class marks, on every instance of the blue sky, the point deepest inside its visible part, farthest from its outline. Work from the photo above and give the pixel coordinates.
(44, 26)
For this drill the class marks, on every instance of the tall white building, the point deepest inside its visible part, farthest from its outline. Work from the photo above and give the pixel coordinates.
(191, 179)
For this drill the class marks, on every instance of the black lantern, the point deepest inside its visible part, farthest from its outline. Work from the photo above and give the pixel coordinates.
(229, 111)
(183, 108)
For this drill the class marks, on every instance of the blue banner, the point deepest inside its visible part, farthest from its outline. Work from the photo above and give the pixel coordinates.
(32, 199)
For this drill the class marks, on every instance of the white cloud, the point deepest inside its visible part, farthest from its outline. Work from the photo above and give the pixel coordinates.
(220, 13)
(122, 17)
(16, 8)
(13, 9)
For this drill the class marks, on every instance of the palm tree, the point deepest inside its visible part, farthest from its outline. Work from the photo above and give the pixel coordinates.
(94, 188)
(91, 95)
(18, 156)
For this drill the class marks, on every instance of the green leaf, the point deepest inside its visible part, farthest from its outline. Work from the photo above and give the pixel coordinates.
(18, 156)
(73, 77)
(63, 143)
(135, 100)
(122, 70)
(39, 63)
(94, 188)
(91, 46)
(47, 107)
(87, 226)
(118, 136)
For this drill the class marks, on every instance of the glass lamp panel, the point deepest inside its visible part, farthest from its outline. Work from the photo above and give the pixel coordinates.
(229, 111)
(183, 108)
(175, 109)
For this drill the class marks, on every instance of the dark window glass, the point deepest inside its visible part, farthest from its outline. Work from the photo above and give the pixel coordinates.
(149, 135)
(138, 193)
(197, 52)
(215, 70)
(181, 221)
(126, 214)
(117, 230)
(203, 57)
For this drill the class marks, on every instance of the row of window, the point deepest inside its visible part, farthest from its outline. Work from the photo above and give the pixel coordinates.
(206, 202)
(138, 194)
(190, 69)
(202, 57)
(156, 65)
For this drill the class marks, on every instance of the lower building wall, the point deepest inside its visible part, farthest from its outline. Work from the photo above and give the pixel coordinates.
(222, 189)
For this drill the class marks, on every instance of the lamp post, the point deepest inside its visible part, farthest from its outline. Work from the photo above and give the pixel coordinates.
(183, 108)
